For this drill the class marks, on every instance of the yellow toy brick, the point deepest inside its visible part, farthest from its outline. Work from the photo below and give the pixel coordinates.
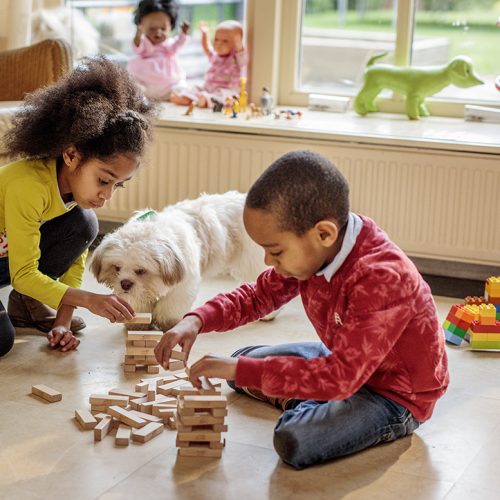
(492, 288)
(487, 314)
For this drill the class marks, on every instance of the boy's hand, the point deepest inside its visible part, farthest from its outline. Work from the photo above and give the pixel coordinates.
(112, 306)
(183, 333)
(211, 365)
(62, 337)
(185, 26)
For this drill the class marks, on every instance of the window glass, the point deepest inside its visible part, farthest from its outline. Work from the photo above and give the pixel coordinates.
(107, 27)
(447, 28)
(339, 37)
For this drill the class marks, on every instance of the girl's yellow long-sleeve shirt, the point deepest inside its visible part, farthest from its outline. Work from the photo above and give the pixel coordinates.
(29, 196)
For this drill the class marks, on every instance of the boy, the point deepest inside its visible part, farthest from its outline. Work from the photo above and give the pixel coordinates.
(381, 364)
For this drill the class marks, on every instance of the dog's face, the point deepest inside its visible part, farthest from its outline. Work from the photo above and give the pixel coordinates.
(138, 264)
(462, 73)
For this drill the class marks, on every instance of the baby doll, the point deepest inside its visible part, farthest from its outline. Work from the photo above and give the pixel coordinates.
(156, 67)
(228, 60)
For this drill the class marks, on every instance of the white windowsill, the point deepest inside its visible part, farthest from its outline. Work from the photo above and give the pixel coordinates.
(450, 134)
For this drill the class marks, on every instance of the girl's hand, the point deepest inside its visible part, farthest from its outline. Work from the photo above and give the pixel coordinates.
(185, 26)
(112, 306)
(64, 338)
(183, 333)
(211, 365)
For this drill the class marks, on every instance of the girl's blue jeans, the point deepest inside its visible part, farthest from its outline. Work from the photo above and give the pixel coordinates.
(311, 432)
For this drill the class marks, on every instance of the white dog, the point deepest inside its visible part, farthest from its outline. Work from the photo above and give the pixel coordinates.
(156, 260)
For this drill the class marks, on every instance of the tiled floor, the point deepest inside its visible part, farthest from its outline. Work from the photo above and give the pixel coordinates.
(43, 454)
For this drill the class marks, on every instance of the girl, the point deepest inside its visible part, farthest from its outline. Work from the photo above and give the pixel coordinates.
(156, 67)
(79, 140)
(228, 60)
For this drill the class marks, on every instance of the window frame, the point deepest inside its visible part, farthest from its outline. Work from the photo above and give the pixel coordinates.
(282, 55)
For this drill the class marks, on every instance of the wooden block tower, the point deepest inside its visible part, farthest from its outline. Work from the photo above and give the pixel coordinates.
(200, 422)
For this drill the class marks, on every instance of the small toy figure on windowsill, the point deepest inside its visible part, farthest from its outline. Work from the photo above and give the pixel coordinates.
(266, 101)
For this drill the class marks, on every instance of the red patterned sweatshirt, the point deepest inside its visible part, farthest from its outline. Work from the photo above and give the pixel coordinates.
(376, 315)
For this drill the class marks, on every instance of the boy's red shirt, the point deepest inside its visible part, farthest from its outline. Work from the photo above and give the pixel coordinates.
(376, 316)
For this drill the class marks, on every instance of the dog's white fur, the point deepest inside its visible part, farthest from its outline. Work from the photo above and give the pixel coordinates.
(163, 258)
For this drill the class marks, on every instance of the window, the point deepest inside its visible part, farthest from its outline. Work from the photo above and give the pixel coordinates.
(326, 43)
(107, 27)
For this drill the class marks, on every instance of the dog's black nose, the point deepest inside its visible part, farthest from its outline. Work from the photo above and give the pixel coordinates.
(126, 284)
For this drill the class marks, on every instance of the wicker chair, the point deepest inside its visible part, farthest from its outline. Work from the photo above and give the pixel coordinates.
(29, 68)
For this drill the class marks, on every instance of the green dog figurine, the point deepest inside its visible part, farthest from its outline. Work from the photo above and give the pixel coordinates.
(415, 83)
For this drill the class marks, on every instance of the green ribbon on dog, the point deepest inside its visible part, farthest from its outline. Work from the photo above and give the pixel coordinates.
(147, 215)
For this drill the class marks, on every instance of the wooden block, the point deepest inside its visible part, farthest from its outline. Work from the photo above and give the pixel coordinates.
(142, 386)
(175, 365)
(122, 436)
(171, 423)
(138, 343)
(102, 428)
(144, 335)
(108, 399)
(46, 392)
(200, 419)
(140, 319)
(126, 417)
(140, 351)
(199, 436)
(204, 401)
(135, 404)
(153, 369)
(189, 390)
(86, 420)
(129, 368)
(218, 412)
(179, 355)
(100, 416)
(150, 343)
(151, 396)
(181, 374)
(126, 392)
(158, 380)
(199, 451)
(166, 389)
(133, 360)
(147, 417)
(148, 432)
(215, 445)
(99, 408)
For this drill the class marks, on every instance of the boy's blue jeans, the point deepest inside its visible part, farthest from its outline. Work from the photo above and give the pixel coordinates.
(311, 432)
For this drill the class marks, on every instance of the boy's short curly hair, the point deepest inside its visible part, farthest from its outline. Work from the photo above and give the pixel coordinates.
(168, 7)
(301, 188)
(97, 107)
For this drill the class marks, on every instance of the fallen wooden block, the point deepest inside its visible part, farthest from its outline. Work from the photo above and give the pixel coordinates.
(126, 417)
(102, 428)
(147, 416)
(108, 400)
(46, 392)
(86, 420)
(147, 432)
(126, 392)
(122, 437)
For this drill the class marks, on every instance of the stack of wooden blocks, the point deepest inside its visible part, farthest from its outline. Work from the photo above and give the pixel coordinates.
(200, 421)
(141, 343)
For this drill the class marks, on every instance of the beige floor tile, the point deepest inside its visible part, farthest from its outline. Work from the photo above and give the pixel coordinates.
(43, 454)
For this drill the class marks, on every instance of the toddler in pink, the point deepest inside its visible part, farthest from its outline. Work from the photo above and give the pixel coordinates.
(228, 60)
(156, 67)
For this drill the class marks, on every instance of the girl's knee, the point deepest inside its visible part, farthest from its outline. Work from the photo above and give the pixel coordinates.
(7, 334)
(86, 222)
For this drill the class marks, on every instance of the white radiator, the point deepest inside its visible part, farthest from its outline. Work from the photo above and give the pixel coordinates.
(434, 204)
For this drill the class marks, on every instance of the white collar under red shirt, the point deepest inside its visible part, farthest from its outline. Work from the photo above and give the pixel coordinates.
(354, 225)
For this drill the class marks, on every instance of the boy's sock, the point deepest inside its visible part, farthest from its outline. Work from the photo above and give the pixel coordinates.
(279, 403)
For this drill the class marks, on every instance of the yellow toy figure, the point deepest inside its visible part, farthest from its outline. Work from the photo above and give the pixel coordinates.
(228, 106)
(235, 108)
(243, 94)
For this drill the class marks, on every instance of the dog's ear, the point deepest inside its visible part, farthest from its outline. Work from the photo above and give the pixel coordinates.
(172, 267)
(96, 263)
